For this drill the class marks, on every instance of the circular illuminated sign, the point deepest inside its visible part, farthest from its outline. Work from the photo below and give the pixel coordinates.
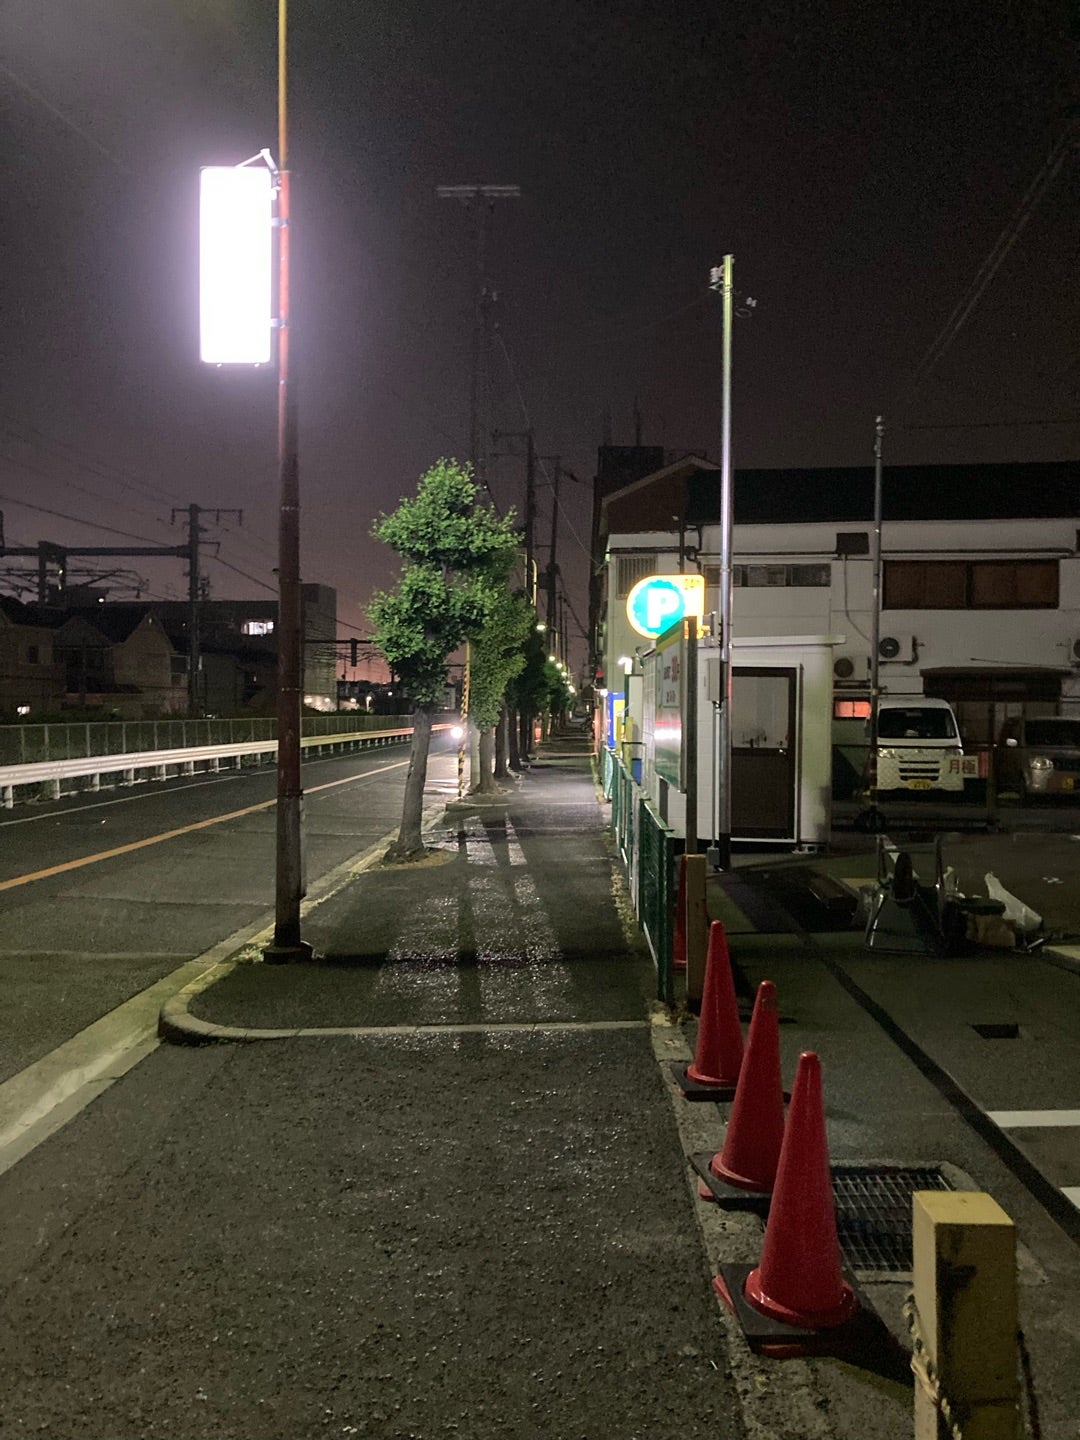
(660, 601)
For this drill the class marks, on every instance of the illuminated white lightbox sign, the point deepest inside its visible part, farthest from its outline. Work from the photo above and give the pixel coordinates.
(659, 601)
(236, 206)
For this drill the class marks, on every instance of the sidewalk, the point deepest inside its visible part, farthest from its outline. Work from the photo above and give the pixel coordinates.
(499, 1001)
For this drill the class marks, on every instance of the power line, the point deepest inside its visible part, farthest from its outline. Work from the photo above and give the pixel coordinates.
(994, 260)
(64, 119)
(60, 515)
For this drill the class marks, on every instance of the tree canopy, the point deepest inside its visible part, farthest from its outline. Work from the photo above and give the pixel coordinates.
(457, 555)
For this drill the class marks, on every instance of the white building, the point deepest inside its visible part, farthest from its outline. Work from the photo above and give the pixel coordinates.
(980, 595)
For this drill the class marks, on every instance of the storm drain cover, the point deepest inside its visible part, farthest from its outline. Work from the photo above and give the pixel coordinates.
(873, 1213)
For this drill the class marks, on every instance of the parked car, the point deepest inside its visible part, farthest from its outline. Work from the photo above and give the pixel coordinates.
(1039, 755)
(918, 746)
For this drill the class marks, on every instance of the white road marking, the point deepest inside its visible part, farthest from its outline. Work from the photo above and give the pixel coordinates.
(1033, 1119)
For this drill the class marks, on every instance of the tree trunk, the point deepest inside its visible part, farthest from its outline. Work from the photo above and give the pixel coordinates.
(410, 841)
(502, 769)
(514, 734)
(485, 781)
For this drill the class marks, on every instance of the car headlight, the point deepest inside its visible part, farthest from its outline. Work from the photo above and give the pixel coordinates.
(889, 754)
(1040, 762)
(457, 732)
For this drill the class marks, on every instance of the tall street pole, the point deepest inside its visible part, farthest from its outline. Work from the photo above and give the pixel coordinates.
(721, 279)
(875, 625)
(290, 881)
(481, 200)
(552, 568)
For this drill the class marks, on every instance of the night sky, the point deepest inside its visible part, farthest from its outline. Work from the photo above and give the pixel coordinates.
(859, 160)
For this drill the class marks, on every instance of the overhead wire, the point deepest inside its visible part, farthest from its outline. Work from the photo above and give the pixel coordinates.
(1017, 222)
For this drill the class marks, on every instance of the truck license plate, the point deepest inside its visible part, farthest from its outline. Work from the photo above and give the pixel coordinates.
(918, 784)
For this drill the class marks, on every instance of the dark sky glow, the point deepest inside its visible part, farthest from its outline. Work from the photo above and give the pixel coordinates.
(860, 161)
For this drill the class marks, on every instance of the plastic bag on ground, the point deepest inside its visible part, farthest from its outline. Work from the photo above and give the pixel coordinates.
(1023, 917)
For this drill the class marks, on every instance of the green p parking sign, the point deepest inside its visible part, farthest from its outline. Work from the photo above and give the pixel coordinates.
(660, 601)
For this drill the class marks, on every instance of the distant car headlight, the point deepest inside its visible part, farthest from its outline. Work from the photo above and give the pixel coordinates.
(458, 732)
(1040, 762)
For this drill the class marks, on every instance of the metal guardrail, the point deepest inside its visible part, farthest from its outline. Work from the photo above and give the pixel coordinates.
(51, 774)
(72, 740)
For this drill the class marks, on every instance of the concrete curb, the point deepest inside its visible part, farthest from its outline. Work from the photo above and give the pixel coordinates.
(177, 1026)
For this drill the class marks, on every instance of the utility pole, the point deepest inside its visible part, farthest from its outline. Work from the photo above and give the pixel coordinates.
(481, 201)
(552, 570)
(290, 884)
(721, 278)
(195, 596)
(530, 501)
(875, 625)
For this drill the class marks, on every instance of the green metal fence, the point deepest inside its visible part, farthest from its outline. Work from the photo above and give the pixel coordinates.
(78, 740)
(646, 847)
(656, 894)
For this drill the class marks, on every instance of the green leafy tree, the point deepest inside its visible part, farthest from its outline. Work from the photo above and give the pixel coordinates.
(498, 657)
(530, 689)
(558, 698)
(456, 554)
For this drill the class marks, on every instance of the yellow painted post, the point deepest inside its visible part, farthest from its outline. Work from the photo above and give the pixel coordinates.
(463, 742)
(697, 927)
(965, 1317)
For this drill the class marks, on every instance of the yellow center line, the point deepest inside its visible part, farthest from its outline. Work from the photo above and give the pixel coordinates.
(173, 834)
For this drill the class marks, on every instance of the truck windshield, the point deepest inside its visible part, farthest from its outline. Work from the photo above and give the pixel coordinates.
(915, 723)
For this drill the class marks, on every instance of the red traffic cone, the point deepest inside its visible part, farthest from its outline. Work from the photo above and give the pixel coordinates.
(799, 1281)
(755, 1130)
(678, 944)
(718, 1053)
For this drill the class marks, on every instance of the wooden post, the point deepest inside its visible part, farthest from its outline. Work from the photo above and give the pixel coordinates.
(966, 1317)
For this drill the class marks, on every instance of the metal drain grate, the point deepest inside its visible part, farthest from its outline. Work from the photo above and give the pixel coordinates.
(873, 1213)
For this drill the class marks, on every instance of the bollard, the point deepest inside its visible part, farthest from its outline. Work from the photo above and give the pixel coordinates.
(964, 1317)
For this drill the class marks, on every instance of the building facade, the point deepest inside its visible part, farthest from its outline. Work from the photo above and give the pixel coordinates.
(980, 577)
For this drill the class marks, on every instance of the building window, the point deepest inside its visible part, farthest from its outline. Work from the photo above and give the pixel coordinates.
(629, 569)
(256, 627)
(851, 710)
(33, 654)
(772, 575)
(970, 585)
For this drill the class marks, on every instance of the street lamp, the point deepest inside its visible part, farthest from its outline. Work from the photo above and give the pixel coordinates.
(222, 285)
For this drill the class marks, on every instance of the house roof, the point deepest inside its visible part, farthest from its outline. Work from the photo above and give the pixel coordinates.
(690, 489)
(1031, 491)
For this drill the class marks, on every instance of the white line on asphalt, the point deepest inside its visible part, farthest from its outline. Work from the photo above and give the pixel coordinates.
(1072, 1192)
(1033, 1119)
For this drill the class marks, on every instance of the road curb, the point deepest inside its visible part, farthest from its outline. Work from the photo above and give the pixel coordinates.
(177, 1026)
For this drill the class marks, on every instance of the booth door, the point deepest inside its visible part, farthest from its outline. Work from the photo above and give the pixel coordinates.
(763, 753)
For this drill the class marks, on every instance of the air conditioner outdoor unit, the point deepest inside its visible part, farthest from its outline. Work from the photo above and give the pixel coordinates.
(844, 668)
(890, 648)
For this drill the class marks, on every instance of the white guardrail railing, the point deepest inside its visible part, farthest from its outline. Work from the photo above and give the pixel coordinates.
(48, 776)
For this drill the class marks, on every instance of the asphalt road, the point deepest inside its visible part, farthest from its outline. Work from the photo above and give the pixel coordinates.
(102, 896)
